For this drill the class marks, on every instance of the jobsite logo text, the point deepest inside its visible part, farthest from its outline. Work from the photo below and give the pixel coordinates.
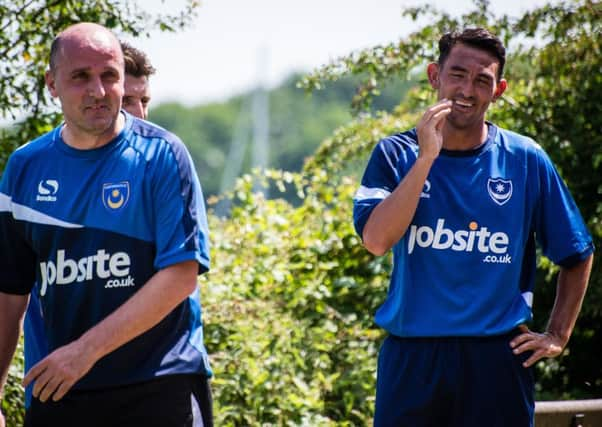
(494, 244)
(113, 267)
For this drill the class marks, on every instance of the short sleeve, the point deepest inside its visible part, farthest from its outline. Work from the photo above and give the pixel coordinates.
(18, 260)
(181, 231)
(559, 227)
(380, 178)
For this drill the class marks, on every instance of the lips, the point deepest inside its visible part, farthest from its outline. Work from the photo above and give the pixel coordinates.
(97, 108)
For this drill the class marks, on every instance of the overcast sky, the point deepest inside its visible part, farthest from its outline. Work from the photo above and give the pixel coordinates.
(236, 43)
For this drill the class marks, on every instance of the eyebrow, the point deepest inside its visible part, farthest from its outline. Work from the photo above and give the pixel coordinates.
(80, 70)
(458, 68)
(87, 69)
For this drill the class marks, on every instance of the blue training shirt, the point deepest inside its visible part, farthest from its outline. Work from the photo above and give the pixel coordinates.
(466, 264)
(89, 228)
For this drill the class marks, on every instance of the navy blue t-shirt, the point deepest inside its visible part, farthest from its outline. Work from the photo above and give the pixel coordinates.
(89, 228)
(466, 264)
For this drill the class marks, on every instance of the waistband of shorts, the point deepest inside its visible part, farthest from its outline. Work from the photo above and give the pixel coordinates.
(458, 338)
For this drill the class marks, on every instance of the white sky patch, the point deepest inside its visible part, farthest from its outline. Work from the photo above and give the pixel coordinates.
(237, 44)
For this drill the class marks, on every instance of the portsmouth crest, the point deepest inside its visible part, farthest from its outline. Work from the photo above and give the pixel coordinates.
(115, 196)
(500, 190)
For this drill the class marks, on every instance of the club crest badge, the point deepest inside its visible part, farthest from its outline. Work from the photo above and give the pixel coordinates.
(500, 190)
(115, 196)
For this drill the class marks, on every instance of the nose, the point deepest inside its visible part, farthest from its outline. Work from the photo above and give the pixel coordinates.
(136, 109)
(467, 89)
(96, 88)
(143, 111)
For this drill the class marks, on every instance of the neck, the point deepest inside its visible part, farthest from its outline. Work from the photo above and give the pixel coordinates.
(465, 138)
(81, 140)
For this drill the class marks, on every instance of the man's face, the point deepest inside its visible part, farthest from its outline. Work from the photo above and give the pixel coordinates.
(137, 96)
(468, 77)
(88, 80)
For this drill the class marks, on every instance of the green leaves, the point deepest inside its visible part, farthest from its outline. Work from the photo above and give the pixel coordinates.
(12, 399)
(290, 329)
(289, 301)
(27, 29)
(304, 264)
(554, 69)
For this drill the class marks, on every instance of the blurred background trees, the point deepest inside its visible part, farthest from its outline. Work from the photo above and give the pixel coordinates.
(289, 303)
(27, 28)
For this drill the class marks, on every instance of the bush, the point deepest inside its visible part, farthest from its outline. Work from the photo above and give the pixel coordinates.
(12, 402)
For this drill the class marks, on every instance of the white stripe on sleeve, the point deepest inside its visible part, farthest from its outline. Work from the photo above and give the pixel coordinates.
(364, 193)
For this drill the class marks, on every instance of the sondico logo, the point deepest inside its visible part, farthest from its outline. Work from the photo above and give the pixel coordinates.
(475, 238)
(47, 190)
(102, 265)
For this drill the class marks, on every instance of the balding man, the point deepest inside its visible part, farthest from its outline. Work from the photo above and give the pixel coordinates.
(136, 99)
(112, 231)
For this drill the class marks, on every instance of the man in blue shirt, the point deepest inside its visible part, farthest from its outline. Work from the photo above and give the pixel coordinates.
(462, 204)
(106, 216)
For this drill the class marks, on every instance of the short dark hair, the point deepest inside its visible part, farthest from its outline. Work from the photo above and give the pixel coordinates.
(137, 63)
(479, 38)
(54, 52)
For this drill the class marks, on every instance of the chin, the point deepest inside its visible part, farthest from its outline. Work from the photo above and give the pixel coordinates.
(459, 124)
(462, 123)
(101, 126)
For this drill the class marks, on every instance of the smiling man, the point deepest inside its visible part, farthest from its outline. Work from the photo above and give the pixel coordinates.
(462, 203)
(103, 219)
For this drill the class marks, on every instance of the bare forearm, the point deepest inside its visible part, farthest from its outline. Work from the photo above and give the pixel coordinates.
(571, 288)
(157, 298)
(390, 219)
(12, 308)
(54, 375)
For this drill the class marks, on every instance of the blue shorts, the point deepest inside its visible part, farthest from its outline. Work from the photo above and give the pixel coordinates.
(453, 382)
(172, 400)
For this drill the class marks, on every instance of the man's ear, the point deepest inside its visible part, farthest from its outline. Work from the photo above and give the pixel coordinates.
(500, 89)
(50, 83)
(432, 71)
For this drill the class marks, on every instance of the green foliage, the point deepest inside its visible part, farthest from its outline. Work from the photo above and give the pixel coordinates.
(289, 305)
(298, 124)
(555, 73)
(291, 294)
(26, 32)
(12, 399)
(399, 60)
(206, 130)
(559, 110)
